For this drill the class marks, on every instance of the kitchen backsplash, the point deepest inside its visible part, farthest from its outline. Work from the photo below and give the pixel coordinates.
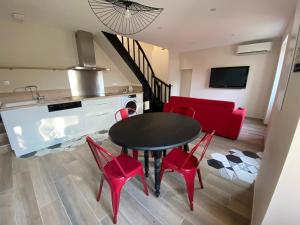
(61, 93)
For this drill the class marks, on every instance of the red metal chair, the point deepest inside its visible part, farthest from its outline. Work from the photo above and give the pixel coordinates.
(184, 110)
(186, 164)
(124, 114)
(116, 171)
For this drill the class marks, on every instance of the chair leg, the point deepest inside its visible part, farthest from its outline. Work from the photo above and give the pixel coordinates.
(200, 178)
(135, 154)
(100, 189)
(144, 181)
(190, 181)
(115, 197)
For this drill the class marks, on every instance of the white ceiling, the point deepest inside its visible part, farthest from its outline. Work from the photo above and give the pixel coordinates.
(185, 24)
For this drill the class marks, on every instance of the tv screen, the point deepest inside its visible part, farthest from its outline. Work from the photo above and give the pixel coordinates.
(229, 77)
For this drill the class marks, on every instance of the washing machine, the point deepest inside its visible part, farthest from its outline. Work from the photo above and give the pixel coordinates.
(133, 101)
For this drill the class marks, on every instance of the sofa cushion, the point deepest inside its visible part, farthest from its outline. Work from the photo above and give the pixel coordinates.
(218, 103)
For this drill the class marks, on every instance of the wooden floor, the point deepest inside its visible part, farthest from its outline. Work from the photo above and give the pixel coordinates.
(61, 188)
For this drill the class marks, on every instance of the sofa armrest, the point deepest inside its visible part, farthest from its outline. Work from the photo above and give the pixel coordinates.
(167, 107)
(236, 124)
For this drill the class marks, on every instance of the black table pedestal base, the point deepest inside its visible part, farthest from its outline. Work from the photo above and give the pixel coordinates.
(157, 157)
(146, 163)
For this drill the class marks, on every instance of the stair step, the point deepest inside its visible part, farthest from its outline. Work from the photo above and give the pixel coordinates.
(3, 139)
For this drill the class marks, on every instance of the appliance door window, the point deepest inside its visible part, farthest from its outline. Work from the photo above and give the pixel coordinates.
(131, 105)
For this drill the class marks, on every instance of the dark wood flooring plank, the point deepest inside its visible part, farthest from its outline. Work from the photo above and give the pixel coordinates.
(27, 211)
(156, 206)
(76, 206)
(6, 181)
(7, 208)
(54, 213)
(42, 183)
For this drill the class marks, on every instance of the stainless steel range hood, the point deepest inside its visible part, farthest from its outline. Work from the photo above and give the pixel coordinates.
(86, 79)
(86, 52)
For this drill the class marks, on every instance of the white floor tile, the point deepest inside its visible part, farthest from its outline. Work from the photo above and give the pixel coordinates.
(245, 176)
(253, 169)
(250, 161)
(226, 164)
(237, 152)
(236, 168)
(230, 173)
(220, 157)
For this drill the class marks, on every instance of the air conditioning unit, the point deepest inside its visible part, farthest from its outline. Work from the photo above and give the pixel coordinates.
(256, 48)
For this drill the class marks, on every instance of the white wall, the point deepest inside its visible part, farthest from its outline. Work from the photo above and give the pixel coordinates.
(276, 198)
(284, 207)
(262, 70)
(114, 60)
(174, 72)
(24, 44)
(159, 59)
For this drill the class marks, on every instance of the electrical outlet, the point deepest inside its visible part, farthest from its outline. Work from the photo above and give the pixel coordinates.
(6, 83)
(146, 105)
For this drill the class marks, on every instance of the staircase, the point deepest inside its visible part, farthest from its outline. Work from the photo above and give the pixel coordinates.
(156, 91)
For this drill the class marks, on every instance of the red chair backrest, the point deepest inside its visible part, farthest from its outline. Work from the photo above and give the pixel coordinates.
(205, 141)
(124, 113)
(102, 156)
(184, 110)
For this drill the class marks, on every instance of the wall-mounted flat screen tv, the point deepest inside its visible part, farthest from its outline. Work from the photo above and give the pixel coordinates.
(229, 77)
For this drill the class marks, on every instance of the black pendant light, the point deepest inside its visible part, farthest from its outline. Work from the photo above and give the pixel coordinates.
(124, 17)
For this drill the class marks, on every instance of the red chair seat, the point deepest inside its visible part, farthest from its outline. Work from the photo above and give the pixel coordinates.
(129, 165)
(177, 157)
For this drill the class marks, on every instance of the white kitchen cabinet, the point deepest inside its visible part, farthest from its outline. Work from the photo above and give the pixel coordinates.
(99, 114)
(34, 128)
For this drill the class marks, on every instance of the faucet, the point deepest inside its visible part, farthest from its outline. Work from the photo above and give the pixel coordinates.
(32, 89)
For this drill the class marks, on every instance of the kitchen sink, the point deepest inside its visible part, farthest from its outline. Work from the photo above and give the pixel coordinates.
(21, 103)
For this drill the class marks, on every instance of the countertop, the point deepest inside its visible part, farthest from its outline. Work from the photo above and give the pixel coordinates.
(66, 99)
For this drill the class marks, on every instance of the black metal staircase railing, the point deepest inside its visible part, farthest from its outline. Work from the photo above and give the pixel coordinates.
(159, 90)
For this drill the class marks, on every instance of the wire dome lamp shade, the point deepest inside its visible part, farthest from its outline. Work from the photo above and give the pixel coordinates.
(124, 17)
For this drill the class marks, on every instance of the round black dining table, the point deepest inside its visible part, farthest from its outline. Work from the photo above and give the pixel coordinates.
(154, 132)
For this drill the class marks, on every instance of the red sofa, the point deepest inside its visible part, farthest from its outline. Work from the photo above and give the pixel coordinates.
(220, 116)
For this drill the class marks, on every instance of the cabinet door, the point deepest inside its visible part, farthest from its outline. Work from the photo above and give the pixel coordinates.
(99, 114)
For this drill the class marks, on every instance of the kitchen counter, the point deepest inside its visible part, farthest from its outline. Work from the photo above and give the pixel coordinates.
(49, 101)
(34, 127)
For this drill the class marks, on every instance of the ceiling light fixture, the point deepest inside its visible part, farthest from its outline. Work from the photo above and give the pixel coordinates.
(124, 17)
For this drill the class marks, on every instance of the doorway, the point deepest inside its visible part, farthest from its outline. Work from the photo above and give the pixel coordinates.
(185, 82)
